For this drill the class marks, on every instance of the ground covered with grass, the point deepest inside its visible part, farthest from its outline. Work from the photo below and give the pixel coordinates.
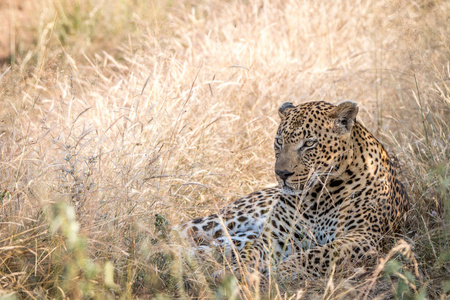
(121, 118)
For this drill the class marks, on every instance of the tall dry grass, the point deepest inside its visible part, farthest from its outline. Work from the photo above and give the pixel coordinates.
(121, 118)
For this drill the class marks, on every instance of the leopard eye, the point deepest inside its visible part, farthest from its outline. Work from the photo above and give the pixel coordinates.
(278, 144)
(309, 144)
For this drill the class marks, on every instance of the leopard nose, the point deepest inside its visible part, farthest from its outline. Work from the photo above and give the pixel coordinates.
(284, 174)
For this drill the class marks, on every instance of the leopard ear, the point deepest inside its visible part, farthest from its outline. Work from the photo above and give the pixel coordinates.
(284, 109)
(345, 116)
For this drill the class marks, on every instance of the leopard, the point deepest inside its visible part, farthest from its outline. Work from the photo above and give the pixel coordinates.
(338, 197)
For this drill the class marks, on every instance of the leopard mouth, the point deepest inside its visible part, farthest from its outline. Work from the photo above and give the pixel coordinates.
(286, 189)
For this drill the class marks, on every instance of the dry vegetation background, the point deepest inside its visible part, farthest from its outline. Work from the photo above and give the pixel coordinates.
(120, 118)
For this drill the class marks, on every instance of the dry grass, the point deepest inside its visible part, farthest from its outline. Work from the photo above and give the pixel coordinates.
(113, 112)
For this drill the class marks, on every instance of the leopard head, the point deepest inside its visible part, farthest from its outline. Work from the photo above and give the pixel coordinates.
(313, 142)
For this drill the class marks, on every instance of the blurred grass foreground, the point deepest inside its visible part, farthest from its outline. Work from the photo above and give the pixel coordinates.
(121, 118)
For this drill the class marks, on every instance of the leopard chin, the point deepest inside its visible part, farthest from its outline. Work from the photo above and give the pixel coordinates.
(285, 189)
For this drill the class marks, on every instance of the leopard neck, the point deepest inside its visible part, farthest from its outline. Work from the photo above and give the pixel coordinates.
(369, 155)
